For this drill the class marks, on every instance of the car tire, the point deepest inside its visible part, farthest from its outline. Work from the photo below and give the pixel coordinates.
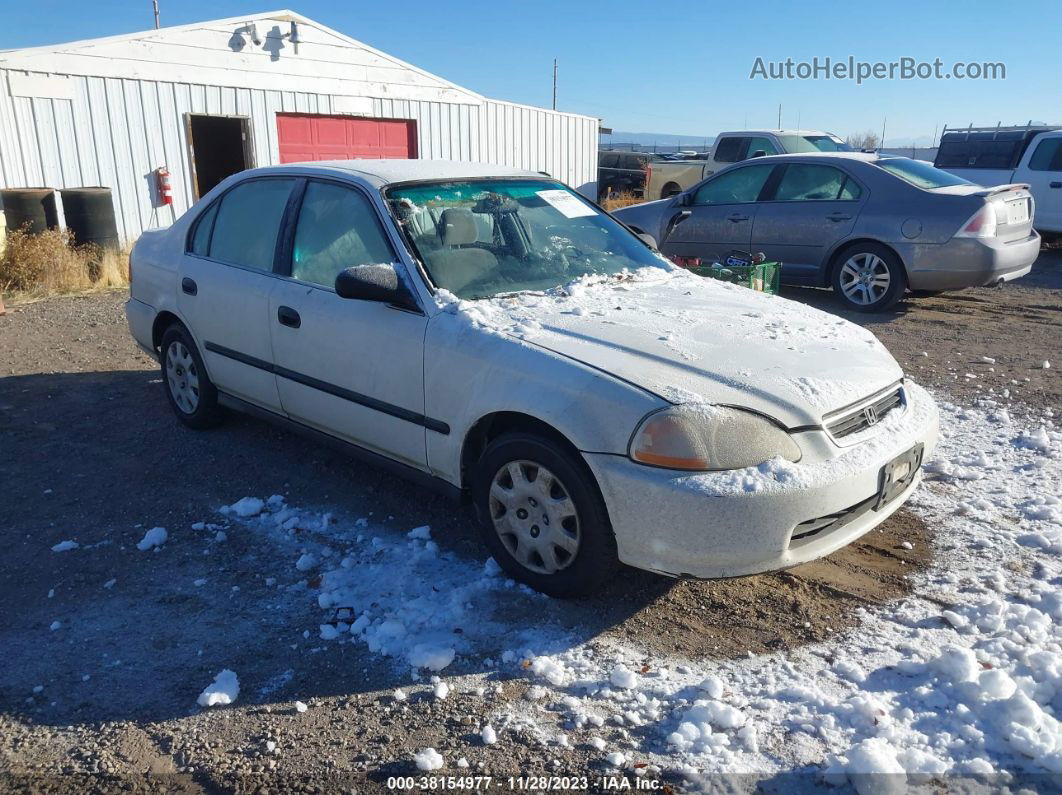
(564, 548)
(868, 277)
(189, 390)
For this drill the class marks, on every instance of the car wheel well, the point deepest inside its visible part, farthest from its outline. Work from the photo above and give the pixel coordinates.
(162, 322)
(670, 189)
(490, 427)
(835, 258)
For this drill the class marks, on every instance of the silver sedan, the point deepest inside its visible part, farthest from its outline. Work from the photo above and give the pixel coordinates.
(868, 225)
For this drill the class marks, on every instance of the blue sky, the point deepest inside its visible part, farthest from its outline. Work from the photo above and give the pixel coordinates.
(667, 67)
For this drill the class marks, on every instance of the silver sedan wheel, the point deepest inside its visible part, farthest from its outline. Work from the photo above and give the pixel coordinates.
(865, 278)
(182, 377)
(534, 516)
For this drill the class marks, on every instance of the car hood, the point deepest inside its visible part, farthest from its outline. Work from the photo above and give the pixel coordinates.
(691, 339)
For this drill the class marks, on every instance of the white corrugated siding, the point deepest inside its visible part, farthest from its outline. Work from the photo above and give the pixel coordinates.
(114, 130)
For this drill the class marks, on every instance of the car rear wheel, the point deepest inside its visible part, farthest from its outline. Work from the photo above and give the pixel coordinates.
(542, 517)
(189, 390)
(869, 278)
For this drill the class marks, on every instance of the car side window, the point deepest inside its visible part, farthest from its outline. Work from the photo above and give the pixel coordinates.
(248, 221)
(337, 229)
(759, 144)
(737, 186)
(203, 226)
(728, 150)
(802, 182)
(1048, 156)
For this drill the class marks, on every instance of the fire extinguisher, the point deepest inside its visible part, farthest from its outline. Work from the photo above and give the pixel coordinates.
(162, 178)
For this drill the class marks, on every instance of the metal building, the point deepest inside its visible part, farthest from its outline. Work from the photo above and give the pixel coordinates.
(208, 99)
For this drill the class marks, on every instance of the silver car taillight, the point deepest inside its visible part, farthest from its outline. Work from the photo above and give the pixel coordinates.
(981, 224)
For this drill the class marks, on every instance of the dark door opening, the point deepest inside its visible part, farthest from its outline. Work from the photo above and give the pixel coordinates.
(220, 146)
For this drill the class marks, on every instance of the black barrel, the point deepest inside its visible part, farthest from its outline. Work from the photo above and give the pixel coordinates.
(89, 214)
(33, 206)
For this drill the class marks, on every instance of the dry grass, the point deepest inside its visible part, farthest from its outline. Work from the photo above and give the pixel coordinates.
(35, 266)
(620, 200)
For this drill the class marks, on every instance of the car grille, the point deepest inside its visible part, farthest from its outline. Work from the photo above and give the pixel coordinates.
(865, 414)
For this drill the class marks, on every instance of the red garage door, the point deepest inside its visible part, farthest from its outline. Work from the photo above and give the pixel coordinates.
(310, 137)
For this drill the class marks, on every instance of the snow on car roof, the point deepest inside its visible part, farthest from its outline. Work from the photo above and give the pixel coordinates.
(385, 172)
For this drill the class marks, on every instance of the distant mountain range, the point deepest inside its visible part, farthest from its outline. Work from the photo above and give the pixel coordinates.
(665, 140)
(657, 139)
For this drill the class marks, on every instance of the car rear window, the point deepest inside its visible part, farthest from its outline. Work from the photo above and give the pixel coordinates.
(728, 150)
(919, 173)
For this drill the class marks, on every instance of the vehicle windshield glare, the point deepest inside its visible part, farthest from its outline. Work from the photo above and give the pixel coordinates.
(797, 144)
(481, 238)
(919, 173)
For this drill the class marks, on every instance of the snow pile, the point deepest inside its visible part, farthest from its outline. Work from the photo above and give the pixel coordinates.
(64, 546)
(155, 537)
(224, 690)
(428, 759)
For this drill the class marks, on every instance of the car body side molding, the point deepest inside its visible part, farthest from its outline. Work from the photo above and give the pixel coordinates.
(346, 394)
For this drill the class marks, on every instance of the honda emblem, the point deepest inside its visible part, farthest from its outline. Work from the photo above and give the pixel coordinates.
(871, 415)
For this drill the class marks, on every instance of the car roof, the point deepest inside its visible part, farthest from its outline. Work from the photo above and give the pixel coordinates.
(865, 157)
(387, 172)
(772, 132)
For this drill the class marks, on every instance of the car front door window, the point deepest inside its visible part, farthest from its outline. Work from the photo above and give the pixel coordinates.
(337, 229)
(739, 186)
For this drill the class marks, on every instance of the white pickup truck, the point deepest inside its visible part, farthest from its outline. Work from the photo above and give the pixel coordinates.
(1028, 154)
(668, 178)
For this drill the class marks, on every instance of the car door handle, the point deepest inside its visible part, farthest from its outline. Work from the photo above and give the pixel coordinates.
(838, 217)
(1056, 184)
(189, 286)
(736, 217)
(288, 317)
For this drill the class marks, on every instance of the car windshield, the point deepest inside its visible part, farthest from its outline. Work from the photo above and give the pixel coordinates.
(481, 238)
(795, 144)
(919, 173)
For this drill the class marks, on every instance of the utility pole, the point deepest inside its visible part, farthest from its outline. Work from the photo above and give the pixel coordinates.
(155, 3)
(554, 84)
(881, 143)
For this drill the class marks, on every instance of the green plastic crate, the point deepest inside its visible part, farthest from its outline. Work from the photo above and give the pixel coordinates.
(764, 277)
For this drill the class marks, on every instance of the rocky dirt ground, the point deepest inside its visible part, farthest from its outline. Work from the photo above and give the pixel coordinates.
(89, 449)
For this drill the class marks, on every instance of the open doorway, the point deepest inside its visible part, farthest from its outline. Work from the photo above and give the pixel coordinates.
(219, 146)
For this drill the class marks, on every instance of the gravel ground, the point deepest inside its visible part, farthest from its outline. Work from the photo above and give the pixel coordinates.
(89, 449)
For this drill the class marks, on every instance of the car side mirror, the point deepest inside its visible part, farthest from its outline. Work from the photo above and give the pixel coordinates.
(649, 240)
(374, 283)
(684, 200)
(758, 153)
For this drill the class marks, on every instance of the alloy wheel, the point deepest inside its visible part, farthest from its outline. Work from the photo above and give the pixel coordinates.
(534, 516)
(865, 278)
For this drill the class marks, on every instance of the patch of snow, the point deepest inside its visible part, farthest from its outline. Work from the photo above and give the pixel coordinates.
(155, 537)
(488, 735)
(225, 689)
(428, 759)
(64, 546)
(248, 506)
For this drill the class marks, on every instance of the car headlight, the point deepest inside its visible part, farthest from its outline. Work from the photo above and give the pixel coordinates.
(705, 437)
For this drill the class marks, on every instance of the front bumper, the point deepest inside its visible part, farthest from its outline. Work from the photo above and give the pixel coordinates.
(969, 262)
(777, 515)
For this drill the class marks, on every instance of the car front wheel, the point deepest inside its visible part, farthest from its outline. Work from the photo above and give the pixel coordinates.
(189, 390)
(542, 517)
(869, 278)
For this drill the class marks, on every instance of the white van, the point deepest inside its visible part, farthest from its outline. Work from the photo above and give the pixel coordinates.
(1027, 154)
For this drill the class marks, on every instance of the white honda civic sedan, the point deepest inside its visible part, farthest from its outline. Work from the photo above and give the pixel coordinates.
(488, 331)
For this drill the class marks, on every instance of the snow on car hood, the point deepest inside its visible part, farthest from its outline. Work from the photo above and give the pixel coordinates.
(691, 339)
